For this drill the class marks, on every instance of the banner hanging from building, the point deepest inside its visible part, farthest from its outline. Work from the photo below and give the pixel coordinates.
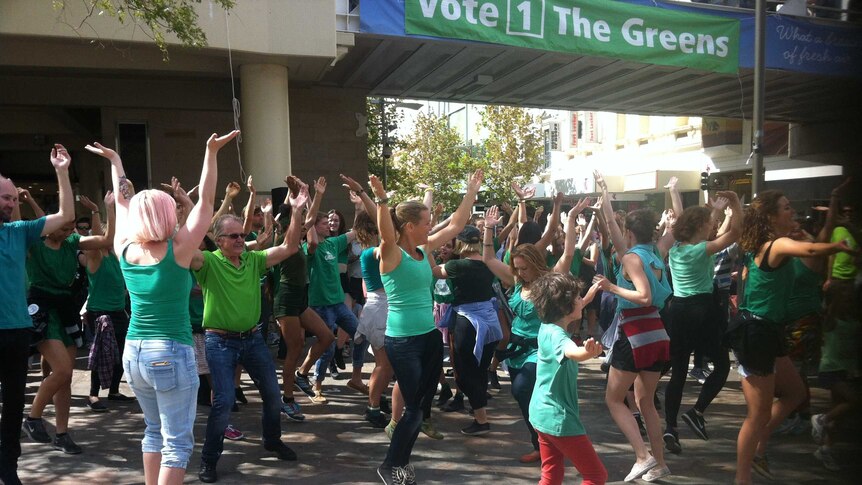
(588, 27)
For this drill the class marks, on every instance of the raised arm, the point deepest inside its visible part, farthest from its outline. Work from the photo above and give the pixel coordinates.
(736, 220)
(513, 221)
(97, 240)
(319, 190)
(249, 206)
(523, 194)
(61, 160)
(290, 245)
(826, 232)
(500, 270)
(614, 230)
(24, 196)
(122, 189)
(460, 216)
(230, 192)
(390, 253)
(553, 223)
(368, 205)
(189, 237)
(428, 197)
(587, 236)
(675, 198)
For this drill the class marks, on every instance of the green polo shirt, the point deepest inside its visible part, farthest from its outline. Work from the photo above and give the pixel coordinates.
(324, 279)
(231, 294)
(554, 407)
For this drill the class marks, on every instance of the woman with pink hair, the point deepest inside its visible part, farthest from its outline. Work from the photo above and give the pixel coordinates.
(158, 358)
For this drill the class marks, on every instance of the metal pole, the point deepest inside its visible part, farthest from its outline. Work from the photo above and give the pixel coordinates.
(759, 94)
(385, 139)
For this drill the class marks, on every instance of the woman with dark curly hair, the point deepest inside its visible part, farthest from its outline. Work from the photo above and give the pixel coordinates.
(757, 334)
(696, 322)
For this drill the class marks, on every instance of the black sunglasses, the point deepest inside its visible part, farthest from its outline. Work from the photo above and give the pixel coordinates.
(235, 235)
(83, 228)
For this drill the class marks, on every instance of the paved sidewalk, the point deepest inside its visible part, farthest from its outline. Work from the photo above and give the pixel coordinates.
(335, 446)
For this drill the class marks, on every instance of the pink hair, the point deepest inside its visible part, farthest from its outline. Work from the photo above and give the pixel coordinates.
(152, 216)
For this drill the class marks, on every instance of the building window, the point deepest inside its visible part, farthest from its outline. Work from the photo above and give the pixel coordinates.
(551, 133)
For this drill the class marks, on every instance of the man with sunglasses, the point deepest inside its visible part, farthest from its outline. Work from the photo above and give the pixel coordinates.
(230, 280)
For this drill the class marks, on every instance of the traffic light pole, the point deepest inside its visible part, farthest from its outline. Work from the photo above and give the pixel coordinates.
(759, 93)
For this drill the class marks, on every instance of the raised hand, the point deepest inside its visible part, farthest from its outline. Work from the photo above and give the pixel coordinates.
(475, 181)
(215, 142)
(719, 203)
(232, 190)
(377, 187)
(263, 237)
(600, 180)
(293, 184)
(539, 211)
(109, 198)
(581, 205)
(60, 157)
(671, 184)
(192, 192)
(506, 207)
(354, 198)
(438, 210)
(266, 208)
(103, 151)
(180, 195)
(249, 184)
(730, 195)
(89, 204)
(23, 195)
(523, 192)
(492, 217)
(320, 185)
(350, 184)
(300, 199)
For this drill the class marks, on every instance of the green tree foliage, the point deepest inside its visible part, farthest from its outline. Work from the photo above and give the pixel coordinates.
(432, 154)
(154, 17)
(375, 135)
(513, 150)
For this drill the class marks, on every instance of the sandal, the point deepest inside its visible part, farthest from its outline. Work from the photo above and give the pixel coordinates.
(360, 388)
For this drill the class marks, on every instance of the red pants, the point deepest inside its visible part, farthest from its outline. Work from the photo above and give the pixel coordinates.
(579, 450)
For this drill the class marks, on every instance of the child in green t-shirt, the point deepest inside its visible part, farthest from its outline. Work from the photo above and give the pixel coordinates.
(554, 406)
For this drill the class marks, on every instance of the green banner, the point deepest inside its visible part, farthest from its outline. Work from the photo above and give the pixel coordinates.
(588, 27)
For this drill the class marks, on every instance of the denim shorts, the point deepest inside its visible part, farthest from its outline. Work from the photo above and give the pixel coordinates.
(164, 378)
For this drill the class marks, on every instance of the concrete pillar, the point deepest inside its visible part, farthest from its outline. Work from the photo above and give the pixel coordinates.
(265, 124)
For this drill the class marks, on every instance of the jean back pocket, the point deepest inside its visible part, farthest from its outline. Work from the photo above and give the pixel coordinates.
(162, 375)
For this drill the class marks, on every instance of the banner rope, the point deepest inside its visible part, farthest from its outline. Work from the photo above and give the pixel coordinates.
(235, 105)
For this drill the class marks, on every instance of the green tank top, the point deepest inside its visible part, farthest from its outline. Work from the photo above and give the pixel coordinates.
(767, 292)
(805, 298)
(160, 299)
(525, 324)
(107, 289)
(408, 290)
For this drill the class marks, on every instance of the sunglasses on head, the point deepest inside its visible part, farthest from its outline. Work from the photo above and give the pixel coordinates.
(235, 235)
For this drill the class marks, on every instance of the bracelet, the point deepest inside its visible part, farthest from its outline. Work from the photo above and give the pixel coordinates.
(383, 200)
(488, 245)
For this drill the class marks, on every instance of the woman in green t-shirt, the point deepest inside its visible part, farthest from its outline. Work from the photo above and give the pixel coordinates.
(52, 267)
(412, 342)
(757, 335)
(696, 322)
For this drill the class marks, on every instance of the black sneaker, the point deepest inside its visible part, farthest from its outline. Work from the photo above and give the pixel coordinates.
(208, 473)
(671, 441)
(445, 395)
(35, 429)
(696, 422)
(385, 474)
(493, 380)
(63, 442)
(339, 359)
(476, 429)
(376, 418)
(120, 397)
(384, 405)
(240, 396)
(304, 384)
(282, 451)
(456, 404)
(404, 475)
(97, 406)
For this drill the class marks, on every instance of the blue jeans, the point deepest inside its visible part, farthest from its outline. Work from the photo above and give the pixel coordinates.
(417, 362)
(335, 316)
(523, 381)
(164, 378)
(223, 355)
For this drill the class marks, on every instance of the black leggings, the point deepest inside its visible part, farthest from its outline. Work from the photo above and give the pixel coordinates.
(470, 376)
(120, 321)
(523, 381)
(695, 326)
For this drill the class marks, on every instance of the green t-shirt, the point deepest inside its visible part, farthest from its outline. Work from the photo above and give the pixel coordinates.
(15, 238)
(107, 288)
(525, 324)
(840, 346)
(324, 280)
(408, 290)
(53, 270)
(574, 268)
(231, 294)
(160, 299)
(844, 267)
(692, 269)
(554, 406)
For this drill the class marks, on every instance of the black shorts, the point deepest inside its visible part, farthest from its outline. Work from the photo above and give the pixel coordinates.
(756, 343)
(345, 282)
(356, 290)
(290, 301)
(623, 359)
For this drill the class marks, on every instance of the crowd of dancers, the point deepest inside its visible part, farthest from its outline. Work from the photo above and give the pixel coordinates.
(205, 286)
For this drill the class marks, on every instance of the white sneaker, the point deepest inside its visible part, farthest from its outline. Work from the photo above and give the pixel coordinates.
(656, 474)
(825, 457)
(640, 468)
(818, 428)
